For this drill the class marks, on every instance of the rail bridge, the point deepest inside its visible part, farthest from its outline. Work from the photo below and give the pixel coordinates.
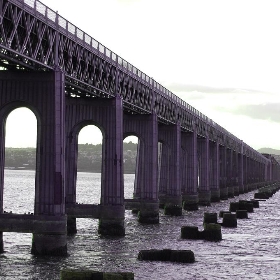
(70, 80)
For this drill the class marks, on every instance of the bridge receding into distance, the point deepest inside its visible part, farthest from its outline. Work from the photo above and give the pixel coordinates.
(70, 80)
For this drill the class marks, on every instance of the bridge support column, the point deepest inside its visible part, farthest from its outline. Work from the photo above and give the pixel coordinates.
(245, 166)
(71, 179)
(108, 115)
(249, 174)
(49, 197)
(235, 173)
(204, 191)
(1, 243)
(170, 193)
(146, 183)
(43, 92)
(223, 168)
(267, 171)
(190, 181)
(111, 221)
(240, 173)
(71, 169)
(214, 172)
(229, 173)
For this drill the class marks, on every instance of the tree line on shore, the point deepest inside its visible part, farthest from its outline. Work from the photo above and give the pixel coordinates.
(89, 158)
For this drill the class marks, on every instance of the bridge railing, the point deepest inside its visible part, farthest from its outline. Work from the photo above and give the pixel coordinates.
(171, 109)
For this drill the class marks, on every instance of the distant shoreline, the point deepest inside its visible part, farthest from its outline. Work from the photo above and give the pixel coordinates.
(31, 169)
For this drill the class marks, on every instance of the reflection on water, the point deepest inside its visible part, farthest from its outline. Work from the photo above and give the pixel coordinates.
(250, 251)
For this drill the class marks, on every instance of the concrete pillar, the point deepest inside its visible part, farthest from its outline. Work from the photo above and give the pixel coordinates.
(229, 172)
(215, 171)
(43, 93)
(204, 192)
(250, 170)
(164, 163)
(189, 187)
(270, 170)
(146, 177)
(49, 190)
(267, 170)
(3, 117)
(235, 169)
(139, 170)
(274, 177)
(245, 166)
(1, 243)
(223, 177)
(170, 186)
(240, 173)
(258, 173)
(111, 221)
(108, 115)
(183, 166)
(71, 156)
(263, 170)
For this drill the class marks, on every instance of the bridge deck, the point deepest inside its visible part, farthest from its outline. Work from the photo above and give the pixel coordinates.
(34, 37)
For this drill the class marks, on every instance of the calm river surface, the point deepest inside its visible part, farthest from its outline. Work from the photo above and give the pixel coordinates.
(250, 251)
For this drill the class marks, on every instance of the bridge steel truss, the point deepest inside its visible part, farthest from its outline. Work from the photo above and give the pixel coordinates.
(35, 38)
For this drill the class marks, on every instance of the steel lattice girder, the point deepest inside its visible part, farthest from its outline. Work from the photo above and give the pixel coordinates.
(31, 40)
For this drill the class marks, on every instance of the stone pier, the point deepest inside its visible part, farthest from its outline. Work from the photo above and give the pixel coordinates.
(169, 181)
(43, 93)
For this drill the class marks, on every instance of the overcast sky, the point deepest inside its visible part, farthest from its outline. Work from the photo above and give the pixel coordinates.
(222, 57)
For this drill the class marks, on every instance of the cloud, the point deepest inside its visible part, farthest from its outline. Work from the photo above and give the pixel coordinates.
(267, 111)
(180, 87)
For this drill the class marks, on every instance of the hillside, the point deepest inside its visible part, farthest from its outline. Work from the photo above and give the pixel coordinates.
(89, 158)
(269, 151)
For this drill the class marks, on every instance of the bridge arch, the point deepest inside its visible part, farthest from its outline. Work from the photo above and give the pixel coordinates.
(72, 157)
(75, 130)
(8, 108)
(107, 114)
(131, 175)
(16, 203)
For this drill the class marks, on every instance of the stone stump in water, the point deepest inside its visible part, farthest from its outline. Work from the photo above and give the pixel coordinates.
(242, 214)
(134, 211)
(68, 274)
(190, 232)
(246, 205)
(256, 203)
(233, 206)
(229, 220)
(210, 218)
(221, 214)
(212, 232)
(172, 209)
(183, 256)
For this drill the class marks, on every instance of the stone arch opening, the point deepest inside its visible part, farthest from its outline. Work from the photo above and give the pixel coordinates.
(131, 146)
(89, 164)
(20, 160)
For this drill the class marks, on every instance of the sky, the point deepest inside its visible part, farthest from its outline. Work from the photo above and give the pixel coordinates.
(220, 56)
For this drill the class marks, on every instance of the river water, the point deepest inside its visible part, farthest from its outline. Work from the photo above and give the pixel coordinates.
(250, 251)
